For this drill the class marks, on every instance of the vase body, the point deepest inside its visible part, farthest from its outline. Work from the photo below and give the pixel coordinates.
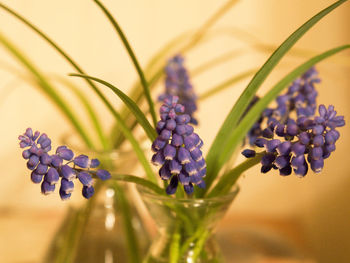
(185, 227)
(95, 231)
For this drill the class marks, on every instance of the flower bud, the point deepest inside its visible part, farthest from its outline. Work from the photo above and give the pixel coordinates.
(85, 178)
(81, 161)
(88, 191)
(52, 176)
(47, 188)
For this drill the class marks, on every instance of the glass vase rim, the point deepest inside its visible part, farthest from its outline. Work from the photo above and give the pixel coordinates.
(226, 197)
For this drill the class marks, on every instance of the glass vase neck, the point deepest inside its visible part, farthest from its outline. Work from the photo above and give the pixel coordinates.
(185, 227)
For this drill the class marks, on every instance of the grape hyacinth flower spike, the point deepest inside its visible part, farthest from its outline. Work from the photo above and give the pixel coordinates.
(177, 148)
(305, 140)
(308, 143)
(177, 83)
(49, 170)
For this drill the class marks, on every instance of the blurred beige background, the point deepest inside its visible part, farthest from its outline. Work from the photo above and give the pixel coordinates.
(320, 203)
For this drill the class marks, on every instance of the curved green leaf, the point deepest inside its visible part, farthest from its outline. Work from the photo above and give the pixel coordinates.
(141, 118)
(136, 146)
(133, 58)
(89, 110)
(64, 81)
(229, 179)
(238, 109)
(226, 84)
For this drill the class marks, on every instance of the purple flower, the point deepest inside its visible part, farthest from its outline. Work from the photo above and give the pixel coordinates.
(313, 140)
(177, 83)
(177, 148)
(299, 99)
(48, 169)
(306, 139)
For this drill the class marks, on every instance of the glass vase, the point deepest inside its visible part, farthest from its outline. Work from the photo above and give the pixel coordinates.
(185, 227)
(106, 227)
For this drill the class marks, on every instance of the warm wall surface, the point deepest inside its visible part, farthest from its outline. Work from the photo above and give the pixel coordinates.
(319, 201)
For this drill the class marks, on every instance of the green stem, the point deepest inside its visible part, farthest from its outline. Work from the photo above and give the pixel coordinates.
(226, 182)
(62, 238)
(175, 245)
(71, 248)
(199, 245)
(187, 243)
(185, 246)
(133, 58)
(123, 206)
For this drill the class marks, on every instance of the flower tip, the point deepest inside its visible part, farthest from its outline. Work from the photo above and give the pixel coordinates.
(88, 191)
(103, 174)
(94, 163)
(81, 161)
(248, 153)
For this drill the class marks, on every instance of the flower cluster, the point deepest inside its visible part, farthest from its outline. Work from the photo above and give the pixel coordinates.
(50, 169)
(299, 98)
(314, 137)
(306, 140)
(177, 83)
(177, 148)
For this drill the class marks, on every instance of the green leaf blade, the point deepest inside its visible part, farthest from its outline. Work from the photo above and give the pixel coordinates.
(48, 89)
(95, 121)
(141, 118)
(226, 84)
